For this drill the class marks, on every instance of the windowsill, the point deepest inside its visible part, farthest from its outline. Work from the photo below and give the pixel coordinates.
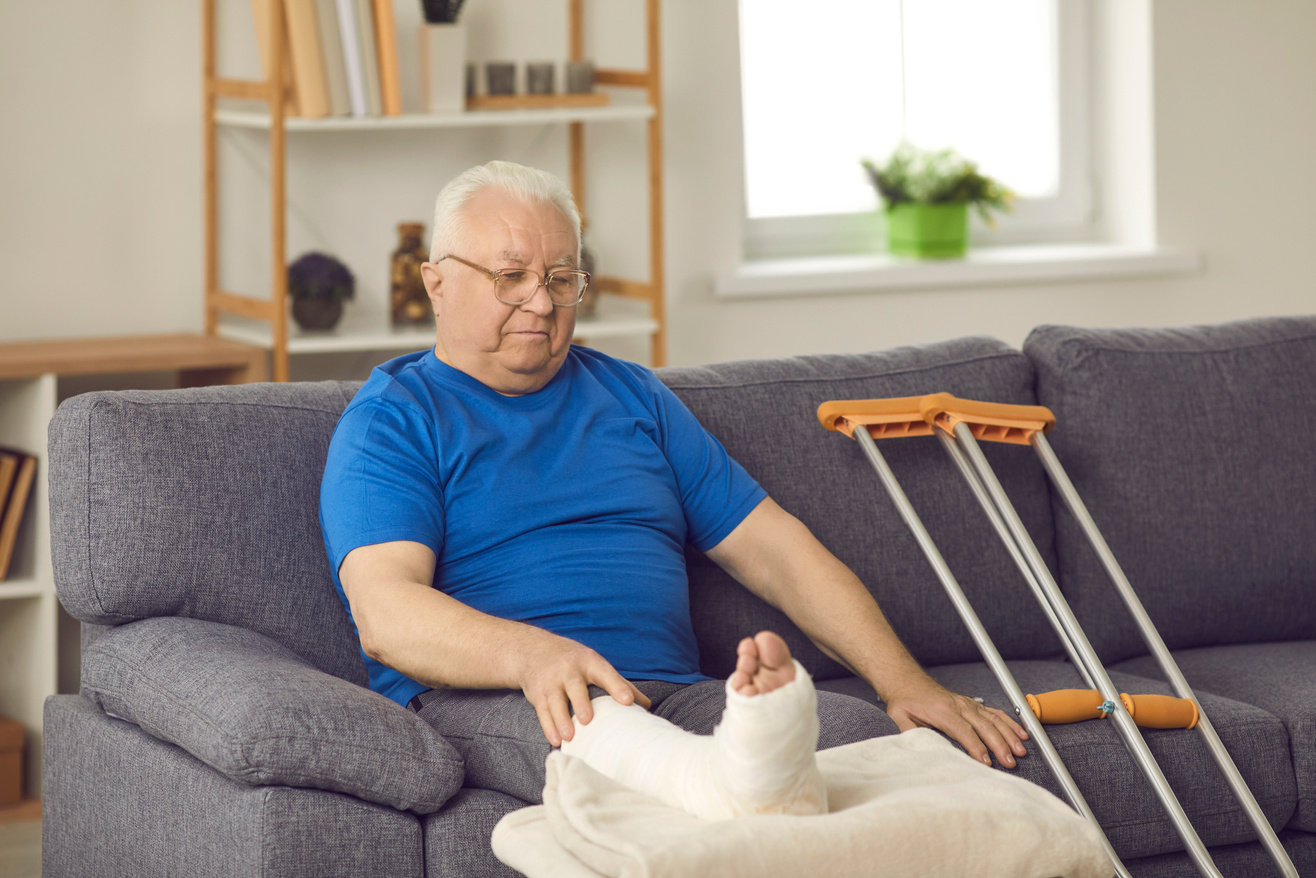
(983, 266)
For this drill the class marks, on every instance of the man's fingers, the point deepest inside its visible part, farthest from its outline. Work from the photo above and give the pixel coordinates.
(561, 715)
(546, 724)
(578, 693)
(621, 689)
(995, 730)
(640, 698)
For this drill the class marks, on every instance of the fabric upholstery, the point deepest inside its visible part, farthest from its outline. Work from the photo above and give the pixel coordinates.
(201, 503)
(1234, 861)
(256, 712)
(1187, 446)
(1279, 678)
(117, 801)
(457, 836)
(764, 412)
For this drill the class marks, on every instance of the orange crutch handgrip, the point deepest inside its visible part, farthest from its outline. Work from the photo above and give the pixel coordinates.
(1066, 705)
(1149, 711)
(1161, 711)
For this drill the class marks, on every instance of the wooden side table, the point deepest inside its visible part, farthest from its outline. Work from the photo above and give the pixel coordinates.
(39, 653)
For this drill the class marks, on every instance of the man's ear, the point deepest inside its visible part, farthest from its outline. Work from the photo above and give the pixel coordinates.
(432, 275)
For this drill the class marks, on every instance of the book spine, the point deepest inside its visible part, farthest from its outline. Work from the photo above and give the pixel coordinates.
(356, 86)
(390, 78)
(13, 511)
(335, 64)
(260, 13)
(307, 58)
(365, 33)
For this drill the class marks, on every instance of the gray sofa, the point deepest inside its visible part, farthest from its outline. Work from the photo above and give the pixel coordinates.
(223, 727)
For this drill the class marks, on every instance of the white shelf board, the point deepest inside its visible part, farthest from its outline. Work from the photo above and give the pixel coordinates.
(369, 330)
(982, 266)
(454, 119)
(23, 587)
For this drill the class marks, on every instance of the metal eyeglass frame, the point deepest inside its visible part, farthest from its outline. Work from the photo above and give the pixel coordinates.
(495, 276)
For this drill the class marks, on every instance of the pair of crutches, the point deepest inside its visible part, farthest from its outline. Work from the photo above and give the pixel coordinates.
(960, 424)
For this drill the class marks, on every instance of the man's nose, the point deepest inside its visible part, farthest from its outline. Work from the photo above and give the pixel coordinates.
(539, 302)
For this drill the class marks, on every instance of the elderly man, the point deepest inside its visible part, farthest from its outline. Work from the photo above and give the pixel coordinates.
(505, 516)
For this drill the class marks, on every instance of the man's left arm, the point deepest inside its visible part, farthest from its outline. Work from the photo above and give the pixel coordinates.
(777, 558)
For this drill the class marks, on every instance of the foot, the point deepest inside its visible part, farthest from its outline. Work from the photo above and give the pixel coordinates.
(763, 663)
(765, 743)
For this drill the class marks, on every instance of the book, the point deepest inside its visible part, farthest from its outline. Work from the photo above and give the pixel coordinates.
(307, 58)
(335, 65)
(356, 84)
(386, 42)
(365, 35)
(12, 514)
(9, 461)
(260, 13)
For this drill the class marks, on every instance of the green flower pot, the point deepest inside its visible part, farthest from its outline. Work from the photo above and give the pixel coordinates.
(928, 231)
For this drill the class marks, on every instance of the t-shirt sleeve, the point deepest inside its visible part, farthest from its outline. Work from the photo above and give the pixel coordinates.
(381, 481)
(716, 492)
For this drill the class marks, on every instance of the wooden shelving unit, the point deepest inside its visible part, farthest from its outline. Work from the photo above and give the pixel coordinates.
(38, 643)
(264, 320)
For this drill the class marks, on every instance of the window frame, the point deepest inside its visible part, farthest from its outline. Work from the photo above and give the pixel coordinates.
(1069, 216)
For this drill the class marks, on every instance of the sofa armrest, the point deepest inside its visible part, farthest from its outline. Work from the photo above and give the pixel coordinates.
(258, 713)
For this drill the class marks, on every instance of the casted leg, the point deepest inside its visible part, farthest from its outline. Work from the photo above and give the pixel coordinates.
(759, 759)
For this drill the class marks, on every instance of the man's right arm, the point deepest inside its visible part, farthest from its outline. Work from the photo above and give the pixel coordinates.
(412, 627)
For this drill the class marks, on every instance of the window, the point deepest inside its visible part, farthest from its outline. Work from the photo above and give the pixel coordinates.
(826, 84)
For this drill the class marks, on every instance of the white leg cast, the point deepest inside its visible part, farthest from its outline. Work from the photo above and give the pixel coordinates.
(759, 759)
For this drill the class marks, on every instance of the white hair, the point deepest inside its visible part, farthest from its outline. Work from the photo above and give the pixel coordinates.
(530, 185)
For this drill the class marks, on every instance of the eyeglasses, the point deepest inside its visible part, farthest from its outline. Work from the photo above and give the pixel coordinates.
(516, 286)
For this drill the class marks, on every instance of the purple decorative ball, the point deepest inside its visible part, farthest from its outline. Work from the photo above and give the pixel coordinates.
(320, 276)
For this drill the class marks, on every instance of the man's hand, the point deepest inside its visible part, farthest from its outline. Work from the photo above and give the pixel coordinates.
(978, 729)
(556, 676)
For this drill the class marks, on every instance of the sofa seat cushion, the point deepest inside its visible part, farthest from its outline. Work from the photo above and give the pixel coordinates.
(765, 413)
(1279, 678)
(118, 802)
(1192, 449)
(1119, 796)
(257, 713)
(457, 836)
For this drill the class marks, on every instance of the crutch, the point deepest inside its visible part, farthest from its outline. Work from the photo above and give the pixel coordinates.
(959, 424)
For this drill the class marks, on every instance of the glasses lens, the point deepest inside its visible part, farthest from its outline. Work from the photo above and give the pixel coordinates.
(565, 287)
(515, 286)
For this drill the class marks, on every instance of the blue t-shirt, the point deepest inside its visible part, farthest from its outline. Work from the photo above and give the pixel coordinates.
(567, 508)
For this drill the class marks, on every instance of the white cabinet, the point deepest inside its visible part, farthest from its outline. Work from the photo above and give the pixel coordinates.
(29, 618)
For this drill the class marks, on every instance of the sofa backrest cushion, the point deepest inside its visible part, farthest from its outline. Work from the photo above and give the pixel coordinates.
(764, 412)
(201, 503)
(1193, 450)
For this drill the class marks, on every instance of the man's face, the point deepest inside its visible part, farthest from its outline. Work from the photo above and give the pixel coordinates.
(513, 349)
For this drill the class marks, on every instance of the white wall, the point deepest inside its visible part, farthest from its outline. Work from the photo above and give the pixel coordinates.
(100, 178)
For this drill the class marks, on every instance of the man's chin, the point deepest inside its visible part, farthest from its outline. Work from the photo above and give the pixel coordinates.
(531, 373)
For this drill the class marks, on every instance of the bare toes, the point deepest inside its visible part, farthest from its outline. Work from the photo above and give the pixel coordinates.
(774, 659)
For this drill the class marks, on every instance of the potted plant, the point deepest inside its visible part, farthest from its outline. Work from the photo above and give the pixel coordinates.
(317, 286)
(927, 195)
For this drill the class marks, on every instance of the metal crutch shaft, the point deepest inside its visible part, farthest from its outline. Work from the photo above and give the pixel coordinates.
(1124, 724)
(1265, 833)
(1003, 532)
(983, 640)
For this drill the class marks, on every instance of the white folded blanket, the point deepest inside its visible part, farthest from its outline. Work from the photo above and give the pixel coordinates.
(904, 805)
